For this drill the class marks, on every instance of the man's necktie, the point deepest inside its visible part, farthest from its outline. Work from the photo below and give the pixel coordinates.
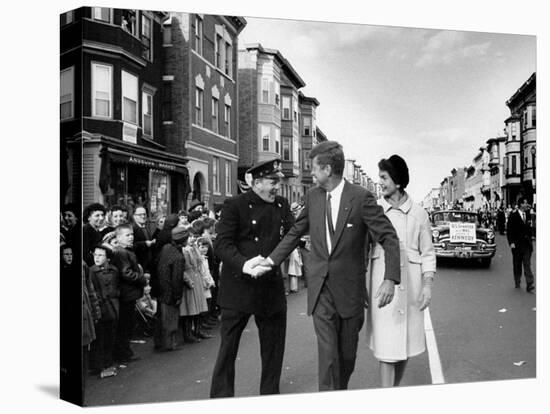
(329, 217)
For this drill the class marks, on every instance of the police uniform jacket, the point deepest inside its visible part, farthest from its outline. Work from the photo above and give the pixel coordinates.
(250, 226)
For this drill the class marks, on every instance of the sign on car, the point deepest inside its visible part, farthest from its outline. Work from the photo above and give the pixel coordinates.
(462, 232)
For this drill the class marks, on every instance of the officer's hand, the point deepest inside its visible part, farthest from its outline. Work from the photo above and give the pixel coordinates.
(255, 267)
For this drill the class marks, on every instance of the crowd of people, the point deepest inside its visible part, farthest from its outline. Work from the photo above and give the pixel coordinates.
(139, 276)
(498, 218)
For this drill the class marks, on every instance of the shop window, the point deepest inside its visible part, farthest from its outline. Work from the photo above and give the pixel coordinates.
(67, 93)
(286, 107)
(147, 106)
(228, 178)
(286, 148)
(102, 85)
(102, 14)
(216, 175)
(146, 37)
(215, 105)
(198, 34)
(199, 104)
(227, 121)
(159, 193)
(129, 97)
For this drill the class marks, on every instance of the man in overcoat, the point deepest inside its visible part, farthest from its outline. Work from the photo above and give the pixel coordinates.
(338, 216)
(519, 235)
(252, 224)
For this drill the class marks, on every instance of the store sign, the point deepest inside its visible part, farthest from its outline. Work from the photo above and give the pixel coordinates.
(151, 163)
(462, 232)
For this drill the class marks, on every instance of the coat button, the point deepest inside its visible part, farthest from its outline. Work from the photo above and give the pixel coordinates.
(401, 311)
(253, 221)
(256, 239)
(401, 287)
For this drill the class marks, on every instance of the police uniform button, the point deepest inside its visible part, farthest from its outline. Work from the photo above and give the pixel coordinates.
(256, 239)
(250, 206)
(401, 311)
(253, 221)
(401, 288)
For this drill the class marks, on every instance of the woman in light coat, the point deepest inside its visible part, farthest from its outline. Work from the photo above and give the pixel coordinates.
(396, 331)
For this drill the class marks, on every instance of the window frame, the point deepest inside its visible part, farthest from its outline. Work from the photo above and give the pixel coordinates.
(99, 19)
(198, 34)
(265, 138)
(228, 177)
(144, 95)
(148, 53)
(288, 116)
(277, 140)
(94, 91)
(199, 106)
(215, 115)
(216, 175)
(264, 91)
(70, 70)
(286, 143)
(227, 120)
(123, 96)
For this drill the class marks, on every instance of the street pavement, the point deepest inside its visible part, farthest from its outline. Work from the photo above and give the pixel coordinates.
(484, 330)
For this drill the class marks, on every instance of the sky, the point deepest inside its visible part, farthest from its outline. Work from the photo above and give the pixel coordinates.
(432, 96)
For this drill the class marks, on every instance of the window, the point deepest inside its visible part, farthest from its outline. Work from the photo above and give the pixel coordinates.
(265, 137)
(513, 164)
(129, 97)
(102, 84)
(129, 21)
(307, 161)
(265, 91)
(524, 118)
(147, 108)
(228, 59)
(307, 126)
(286, 148)
(167, 102)
(513, 130)
(146, 35)
(101, 13)
(198, 34)
(286, 107)
(198, 106)
(216, 174)
(227, 121)
(277, 140)
(67, 17)
(228, 178)
(66, 108)
(167, 35)
(533, 116)
(277, 92)
(215, 115)
(295, 107)
(220, 48)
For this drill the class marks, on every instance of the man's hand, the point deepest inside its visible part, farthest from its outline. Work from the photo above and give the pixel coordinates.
(149, 243)
(256, 267)
(385, 292)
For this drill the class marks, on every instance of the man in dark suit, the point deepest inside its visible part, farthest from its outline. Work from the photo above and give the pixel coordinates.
(519, 237)
(252, 224)
(338, 216)
(143, 242)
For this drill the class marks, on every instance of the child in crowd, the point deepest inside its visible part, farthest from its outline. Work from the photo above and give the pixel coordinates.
(105, 279)
(207, 280)
(194, 302)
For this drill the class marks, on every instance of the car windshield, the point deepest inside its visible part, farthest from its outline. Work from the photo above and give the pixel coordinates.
(454, 216)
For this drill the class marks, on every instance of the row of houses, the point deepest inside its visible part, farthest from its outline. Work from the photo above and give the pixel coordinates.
(161, 108)
(503, 169)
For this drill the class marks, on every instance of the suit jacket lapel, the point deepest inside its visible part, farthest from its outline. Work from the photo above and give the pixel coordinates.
(343, 213)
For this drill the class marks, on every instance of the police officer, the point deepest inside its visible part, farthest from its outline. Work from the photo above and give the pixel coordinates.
(251, 225)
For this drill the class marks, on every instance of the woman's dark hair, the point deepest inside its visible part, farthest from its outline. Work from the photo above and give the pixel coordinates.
(93, 207)
(330, 153)
(397, 168)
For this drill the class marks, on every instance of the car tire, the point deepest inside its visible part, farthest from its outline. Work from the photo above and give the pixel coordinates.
(486, 262)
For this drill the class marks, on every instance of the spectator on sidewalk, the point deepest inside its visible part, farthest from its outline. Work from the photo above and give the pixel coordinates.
(93, 231)
(143, 242)
(520, 239)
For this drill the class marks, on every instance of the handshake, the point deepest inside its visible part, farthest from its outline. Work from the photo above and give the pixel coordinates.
(257, 266)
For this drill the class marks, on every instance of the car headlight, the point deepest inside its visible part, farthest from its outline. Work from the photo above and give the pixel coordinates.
(435, 234)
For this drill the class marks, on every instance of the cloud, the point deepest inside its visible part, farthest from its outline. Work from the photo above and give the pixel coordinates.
(447, 47)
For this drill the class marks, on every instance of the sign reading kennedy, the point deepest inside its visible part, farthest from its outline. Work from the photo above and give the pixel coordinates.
(462, 232)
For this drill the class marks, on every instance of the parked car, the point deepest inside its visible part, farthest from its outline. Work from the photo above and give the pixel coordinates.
(456, 233)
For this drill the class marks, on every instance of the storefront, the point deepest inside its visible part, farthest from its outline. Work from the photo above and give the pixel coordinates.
(136, 180)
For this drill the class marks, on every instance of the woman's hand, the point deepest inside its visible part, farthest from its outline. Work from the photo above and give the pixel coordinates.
(425, 297)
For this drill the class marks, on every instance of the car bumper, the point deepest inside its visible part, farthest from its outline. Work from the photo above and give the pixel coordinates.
(464, 253)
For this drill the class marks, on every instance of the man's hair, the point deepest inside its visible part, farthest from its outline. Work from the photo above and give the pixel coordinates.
(93, 207)
(121, 227)
(118, 207)
(330, 153)
(106, 249)
(521, 200)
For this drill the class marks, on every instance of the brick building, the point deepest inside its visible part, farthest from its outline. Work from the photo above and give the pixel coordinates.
(200, 104)
(112, 145)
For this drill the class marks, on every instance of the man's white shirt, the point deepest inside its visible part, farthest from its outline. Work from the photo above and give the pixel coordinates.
(336, 196)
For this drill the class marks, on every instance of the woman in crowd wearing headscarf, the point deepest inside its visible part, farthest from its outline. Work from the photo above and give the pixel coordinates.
(396, 332)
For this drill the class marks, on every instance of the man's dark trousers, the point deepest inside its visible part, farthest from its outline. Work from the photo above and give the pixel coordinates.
(335, 333)
(125, 327)
(522, 259)
(272, 331)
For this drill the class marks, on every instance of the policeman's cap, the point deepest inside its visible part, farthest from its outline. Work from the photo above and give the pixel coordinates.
(266, 169)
